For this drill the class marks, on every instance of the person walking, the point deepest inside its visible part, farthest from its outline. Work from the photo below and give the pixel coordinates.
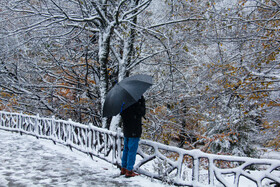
(132, 129)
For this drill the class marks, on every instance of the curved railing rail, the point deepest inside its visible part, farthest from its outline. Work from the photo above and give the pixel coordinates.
(170, 164)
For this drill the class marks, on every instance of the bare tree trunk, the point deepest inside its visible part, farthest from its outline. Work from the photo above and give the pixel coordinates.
(126, 60)
(104, 48)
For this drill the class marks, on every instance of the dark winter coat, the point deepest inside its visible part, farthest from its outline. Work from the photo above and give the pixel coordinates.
(132, 119)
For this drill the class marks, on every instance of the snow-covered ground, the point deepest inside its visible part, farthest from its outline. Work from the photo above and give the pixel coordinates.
(27, 161)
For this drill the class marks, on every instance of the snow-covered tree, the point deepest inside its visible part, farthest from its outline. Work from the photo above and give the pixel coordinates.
(82, 45)
(215, 65)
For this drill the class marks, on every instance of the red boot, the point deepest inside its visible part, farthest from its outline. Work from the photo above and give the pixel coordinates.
(123, 171)
(130, 174)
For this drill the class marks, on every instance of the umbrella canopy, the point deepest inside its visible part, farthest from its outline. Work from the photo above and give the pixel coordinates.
(126, 93)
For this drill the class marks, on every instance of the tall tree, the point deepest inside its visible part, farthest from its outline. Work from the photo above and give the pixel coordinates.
(67, 35)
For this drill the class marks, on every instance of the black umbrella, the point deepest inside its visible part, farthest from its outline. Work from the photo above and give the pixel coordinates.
(126, 93)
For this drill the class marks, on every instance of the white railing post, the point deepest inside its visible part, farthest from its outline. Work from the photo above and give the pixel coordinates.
(10, 121)
(98, 142)
(71, 131)
(105, 138)
(18, 121)
(52, 129)
(180, 163)
(21, 121)
(195, 169)
(36, 128)
(119, 145)
(90, 137)
(114, 155)
(211, 171)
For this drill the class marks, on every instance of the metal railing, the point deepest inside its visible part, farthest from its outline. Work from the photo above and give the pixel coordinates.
(156, 160)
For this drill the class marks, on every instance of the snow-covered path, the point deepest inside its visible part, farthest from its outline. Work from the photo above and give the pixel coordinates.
(27, 162)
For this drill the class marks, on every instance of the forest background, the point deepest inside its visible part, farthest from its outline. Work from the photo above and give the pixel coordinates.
(215, 66)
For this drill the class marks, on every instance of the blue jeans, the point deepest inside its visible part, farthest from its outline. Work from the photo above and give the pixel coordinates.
(129, 152)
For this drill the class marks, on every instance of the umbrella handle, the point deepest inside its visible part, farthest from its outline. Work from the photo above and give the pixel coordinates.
(122, 107)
